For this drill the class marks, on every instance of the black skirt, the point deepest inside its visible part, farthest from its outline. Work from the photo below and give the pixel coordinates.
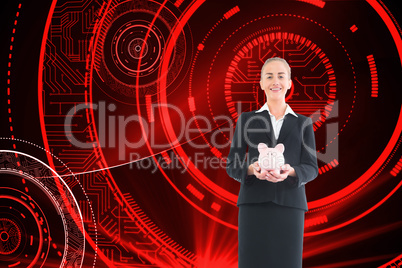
(270, 236)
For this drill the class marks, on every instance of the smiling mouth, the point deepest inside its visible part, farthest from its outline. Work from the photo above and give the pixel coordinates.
(275, 89)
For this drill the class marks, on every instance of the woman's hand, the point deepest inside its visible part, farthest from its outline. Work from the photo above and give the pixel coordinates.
(272, 176)
(255, 169)
(275, 176)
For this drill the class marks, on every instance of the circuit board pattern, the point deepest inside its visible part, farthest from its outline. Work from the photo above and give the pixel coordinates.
(29, 227)
(128, 236)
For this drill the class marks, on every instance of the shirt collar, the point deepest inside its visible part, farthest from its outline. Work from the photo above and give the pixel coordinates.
(287, 111)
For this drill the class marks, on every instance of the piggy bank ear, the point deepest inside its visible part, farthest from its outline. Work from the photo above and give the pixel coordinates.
(262, 147)
(280, 147)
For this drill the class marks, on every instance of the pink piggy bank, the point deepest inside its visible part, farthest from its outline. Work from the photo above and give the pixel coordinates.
(271, 159)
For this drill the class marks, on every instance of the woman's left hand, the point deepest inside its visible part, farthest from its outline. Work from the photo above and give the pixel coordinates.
(275, 176)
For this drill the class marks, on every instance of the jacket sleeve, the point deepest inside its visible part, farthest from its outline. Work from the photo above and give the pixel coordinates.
(237, 164)
(307, 170)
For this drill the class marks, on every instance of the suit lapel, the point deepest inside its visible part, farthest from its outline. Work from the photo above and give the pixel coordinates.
(288, 123)
(269, 130)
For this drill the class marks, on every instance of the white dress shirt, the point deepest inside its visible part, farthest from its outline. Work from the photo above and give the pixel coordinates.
(277, 124)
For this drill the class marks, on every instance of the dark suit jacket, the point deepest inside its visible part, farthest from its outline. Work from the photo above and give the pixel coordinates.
(297, 135)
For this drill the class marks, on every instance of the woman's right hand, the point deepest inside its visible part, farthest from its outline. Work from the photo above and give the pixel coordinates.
(255, 169)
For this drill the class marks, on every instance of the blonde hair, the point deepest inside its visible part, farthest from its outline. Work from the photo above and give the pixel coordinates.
(276, 59)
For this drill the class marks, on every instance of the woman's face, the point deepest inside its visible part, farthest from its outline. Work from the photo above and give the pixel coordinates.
(275, 80)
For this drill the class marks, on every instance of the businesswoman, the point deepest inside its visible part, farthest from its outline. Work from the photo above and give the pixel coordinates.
(272, 204)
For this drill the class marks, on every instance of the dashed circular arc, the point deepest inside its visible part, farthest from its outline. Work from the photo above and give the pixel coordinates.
(69, 212)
